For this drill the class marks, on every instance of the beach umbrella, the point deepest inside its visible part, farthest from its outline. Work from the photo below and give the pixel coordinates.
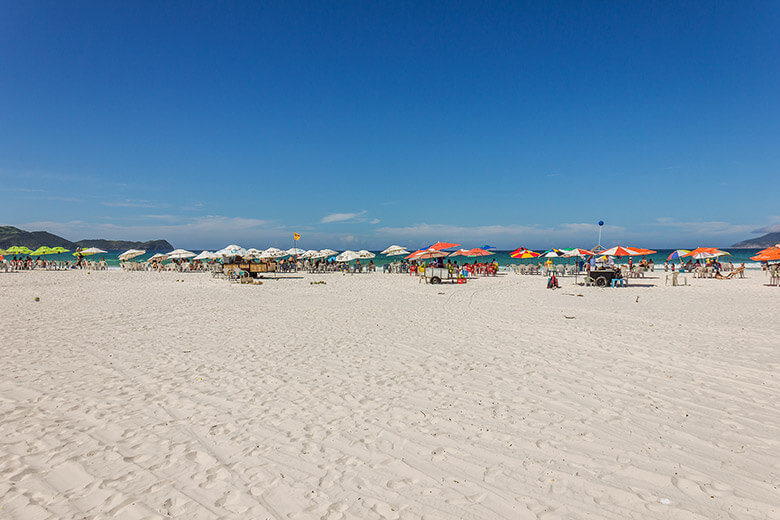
(619, 251)
(460, 252)
(232, 250)
(206, 255)
(768, 254)
(295, 251)
(159, 256)
(438, 246)
(642, 251)
(43, 250)
(309, 253)
(478, 251)
(131, 253)
(347, 256)
(180, 253)
(365, 254)
(425, 254)
(702, 253)
(523, 253)
(273, 252)
(677, 254)
(19, 250)
(576, 251)
(89, 251)
(553, 253)
(399, 252)
(392, 250)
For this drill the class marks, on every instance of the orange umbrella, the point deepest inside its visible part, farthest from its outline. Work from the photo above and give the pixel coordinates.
(768, 254)
(706, 252)
(643, 251)
(620, 251)
(477, 252)
(438, 246)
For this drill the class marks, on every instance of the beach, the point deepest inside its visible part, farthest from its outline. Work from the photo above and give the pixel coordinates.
(146, 395)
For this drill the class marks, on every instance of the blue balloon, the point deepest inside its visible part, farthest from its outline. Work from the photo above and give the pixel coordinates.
(601, 222)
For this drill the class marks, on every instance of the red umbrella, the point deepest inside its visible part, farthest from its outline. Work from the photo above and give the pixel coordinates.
(522, 252)
(438, 246)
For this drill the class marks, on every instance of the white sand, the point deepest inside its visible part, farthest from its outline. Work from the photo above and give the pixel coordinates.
(132, 395)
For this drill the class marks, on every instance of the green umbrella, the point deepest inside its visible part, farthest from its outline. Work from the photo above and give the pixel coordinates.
(44, 250)
(19, 250)
(60, 249)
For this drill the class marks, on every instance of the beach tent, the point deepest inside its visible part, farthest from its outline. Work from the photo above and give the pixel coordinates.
(131, 253)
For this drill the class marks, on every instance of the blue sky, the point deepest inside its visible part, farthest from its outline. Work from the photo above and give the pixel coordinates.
(360, 124)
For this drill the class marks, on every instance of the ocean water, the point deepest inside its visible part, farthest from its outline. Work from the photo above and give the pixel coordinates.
(736, 256)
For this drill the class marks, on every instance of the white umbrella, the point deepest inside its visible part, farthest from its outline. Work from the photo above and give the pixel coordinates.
(272, 252)
(159, 256)
(180, 253)
(254, 252)
(393, 250)
(323, 254)
(232, 250)
(347, 256)
(206, 255)
(309, 254)
(295, 251)
(91, 251)
(363, 253)
(328, 252)
(131, 253)
(397, 252)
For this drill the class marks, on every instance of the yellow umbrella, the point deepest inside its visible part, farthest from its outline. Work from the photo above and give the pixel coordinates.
(44, 250)
(19, 250)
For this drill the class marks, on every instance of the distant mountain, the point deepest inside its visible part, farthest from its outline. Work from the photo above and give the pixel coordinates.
(11, 236)
(151, 245)
(767, 240)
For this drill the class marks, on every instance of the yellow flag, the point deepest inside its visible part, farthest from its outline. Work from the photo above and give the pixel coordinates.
(296, 236)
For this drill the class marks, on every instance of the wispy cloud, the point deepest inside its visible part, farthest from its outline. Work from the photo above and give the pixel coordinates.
(375, 221)
(341, 217)
(707, 228)
(772, 227)
(132, 204)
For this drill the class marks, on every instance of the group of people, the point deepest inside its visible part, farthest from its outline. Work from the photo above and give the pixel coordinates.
(26, 263)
